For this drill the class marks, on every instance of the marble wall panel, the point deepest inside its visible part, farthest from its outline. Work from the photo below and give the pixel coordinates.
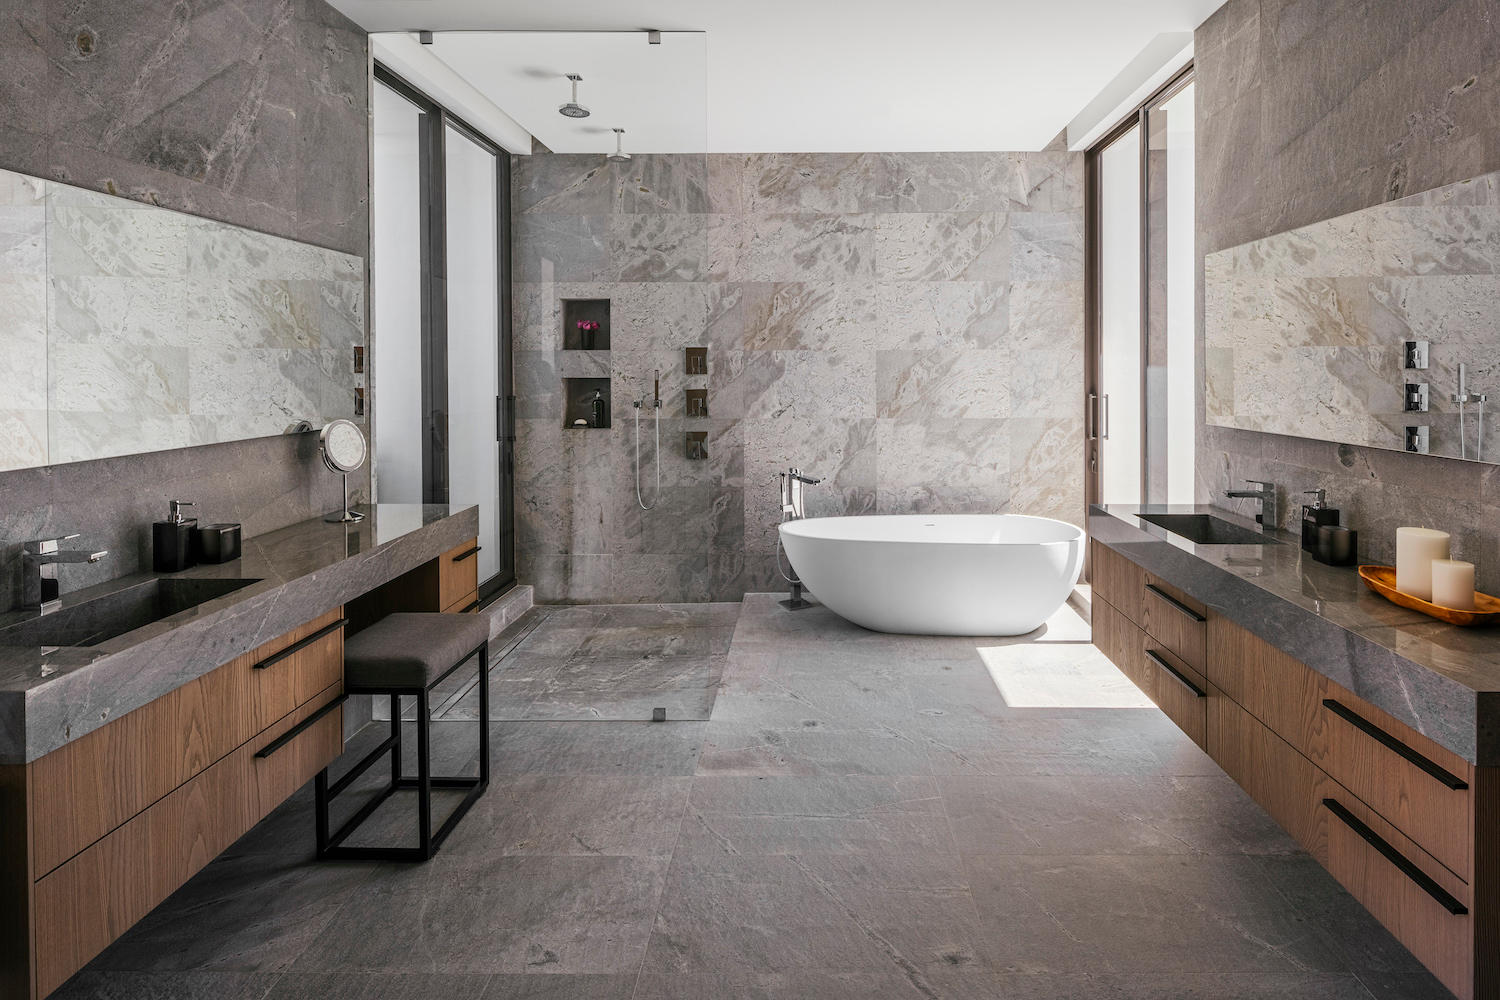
(1407, 101)
(862, 320)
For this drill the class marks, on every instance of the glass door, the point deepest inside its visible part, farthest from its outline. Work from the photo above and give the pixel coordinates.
(1142, 375)
(475, 371)
(440, 267)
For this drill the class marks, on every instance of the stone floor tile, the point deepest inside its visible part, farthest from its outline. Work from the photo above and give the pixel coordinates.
(366, 986)
(505, 914)
(1020, 814)
(91, 984)
(568, 815)
(780, 816)
(1135, 914)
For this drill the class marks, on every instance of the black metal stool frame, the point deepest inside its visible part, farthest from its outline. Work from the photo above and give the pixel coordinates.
(330, 848)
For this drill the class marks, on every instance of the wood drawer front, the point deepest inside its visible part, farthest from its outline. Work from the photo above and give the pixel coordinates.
(105, 777)
(1399, 772)
(91, 900)
(1117, 580)
(1176, 688)
(465, 604)
(290, 671)
(458, 573)
(1177, 621)
(1293, 790)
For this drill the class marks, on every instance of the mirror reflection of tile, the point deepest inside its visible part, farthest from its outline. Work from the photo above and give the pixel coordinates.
(131, 328)
(1306, 332)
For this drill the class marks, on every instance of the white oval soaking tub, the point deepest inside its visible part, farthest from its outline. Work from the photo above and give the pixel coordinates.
(938, 574)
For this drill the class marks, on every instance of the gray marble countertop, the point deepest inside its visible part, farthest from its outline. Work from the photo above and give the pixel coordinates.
(1442, 680)
(51, 695)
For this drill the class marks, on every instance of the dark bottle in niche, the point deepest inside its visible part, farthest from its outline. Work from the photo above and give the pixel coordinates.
(172, 540)
(1314, 516)
(596, 409)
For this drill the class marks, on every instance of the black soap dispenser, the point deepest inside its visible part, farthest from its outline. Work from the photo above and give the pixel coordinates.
(172, 546)
(596, 407)
(1314, 516)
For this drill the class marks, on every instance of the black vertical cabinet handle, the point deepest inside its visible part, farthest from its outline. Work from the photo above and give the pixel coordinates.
(1177, 675)
(1390, 742)
(1175, 603)
(1424, 881)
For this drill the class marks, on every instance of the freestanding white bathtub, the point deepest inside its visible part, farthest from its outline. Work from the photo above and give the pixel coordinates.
(938, 574)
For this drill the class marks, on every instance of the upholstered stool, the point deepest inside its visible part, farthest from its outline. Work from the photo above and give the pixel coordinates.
(408, 654)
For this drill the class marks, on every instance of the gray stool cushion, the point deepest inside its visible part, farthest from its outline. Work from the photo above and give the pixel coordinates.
(410, 650)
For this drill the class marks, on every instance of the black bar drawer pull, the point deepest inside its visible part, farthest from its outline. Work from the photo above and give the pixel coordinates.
(1395, 857)
(298, 729)
(1198, 692)
(1175, 603)
(470, 607)
(1390, 742)
(301, 644)
(466, 553)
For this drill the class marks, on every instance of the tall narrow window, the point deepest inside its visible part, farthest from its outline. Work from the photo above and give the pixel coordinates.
(1142, 379)
(440, 279)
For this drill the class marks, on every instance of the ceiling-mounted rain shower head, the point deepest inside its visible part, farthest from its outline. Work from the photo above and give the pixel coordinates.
(619, 155)
(573, 109)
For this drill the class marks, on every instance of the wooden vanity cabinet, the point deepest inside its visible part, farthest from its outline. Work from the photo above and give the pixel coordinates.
(1411, 829)
(97, 833)
(449, 583)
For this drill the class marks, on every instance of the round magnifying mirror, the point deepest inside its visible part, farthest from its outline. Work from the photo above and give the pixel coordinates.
(344, 451)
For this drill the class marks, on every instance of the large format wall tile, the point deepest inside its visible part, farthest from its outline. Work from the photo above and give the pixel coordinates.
(908, 327)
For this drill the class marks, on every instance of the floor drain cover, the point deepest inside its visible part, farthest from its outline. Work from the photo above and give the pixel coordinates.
(658, 715)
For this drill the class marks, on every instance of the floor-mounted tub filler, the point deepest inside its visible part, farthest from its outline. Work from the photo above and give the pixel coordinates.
(938, 574)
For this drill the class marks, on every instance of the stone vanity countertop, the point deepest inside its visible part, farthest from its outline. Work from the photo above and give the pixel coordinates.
(1442, 680)
(52, 695)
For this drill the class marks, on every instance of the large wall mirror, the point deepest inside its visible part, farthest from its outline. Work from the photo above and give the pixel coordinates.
(129, 328)
(1379, 328)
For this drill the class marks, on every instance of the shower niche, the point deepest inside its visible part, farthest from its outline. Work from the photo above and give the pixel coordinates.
(579, 409)
(585, 324)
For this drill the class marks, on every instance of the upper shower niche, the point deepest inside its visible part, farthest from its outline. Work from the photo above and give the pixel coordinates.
(1307, 331)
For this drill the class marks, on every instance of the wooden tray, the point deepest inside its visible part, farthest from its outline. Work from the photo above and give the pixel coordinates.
(1382, 580)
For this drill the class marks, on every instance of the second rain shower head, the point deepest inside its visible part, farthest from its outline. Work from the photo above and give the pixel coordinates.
(619, 155)
(573, 109)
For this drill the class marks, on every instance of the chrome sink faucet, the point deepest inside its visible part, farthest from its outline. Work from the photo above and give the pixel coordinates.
(39, 562)
(1266, 494)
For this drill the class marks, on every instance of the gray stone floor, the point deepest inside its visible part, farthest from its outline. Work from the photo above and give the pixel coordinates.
(860, 816)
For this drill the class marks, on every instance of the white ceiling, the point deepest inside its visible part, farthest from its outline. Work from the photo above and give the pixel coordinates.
(657, 93)
(846, 75)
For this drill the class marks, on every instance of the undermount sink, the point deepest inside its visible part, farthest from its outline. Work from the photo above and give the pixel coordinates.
(92, 622)
(1205, 529)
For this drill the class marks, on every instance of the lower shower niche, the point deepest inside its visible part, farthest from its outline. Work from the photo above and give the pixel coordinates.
(586, 403)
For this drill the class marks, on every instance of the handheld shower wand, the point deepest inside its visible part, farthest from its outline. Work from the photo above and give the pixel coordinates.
(1462, 397)
(656, 405)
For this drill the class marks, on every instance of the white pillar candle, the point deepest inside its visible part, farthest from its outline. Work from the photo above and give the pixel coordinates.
(1453, 584)
(1416, 548)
